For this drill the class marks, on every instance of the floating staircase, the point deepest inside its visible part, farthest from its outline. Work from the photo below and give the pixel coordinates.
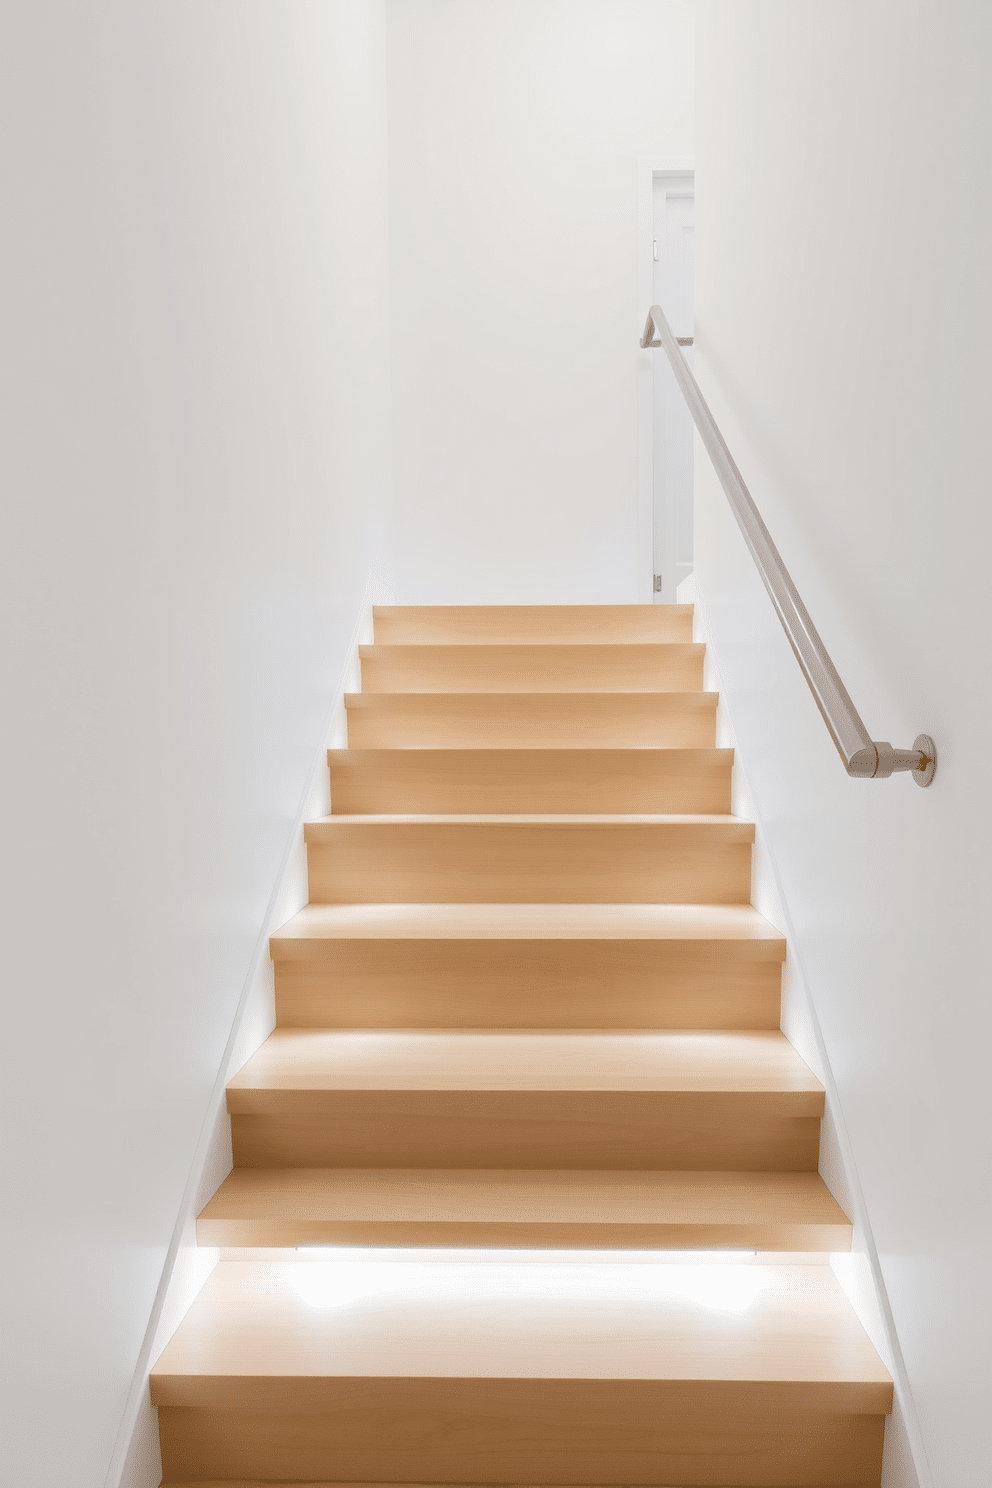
(527, 1082)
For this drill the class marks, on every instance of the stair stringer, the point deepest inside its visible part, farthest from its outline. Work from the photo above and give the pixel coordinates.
(904, 1461)
(136, 1460)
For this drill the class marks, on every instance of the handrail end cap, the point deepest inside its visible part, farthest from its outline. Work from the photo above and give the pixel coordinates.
(864, 764)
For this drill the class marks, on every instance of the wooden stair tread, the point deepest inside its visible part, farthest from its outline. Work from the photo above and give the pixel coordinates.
(517, 965)
(524, 1194)
(532, 704)
(311, 1060)
(533, 667)
(600, 759)
(519, 858)
(532, 651)
(278, 1322)
(429, 624)
(681, 922)
(619, 648)
(527, 1208)
(729, 828)
(244, 1481)
(532, 720)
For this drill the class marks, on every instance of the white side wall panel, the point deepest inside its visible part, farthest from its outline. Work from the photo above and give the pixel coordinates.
(195, 485)
(843, 316)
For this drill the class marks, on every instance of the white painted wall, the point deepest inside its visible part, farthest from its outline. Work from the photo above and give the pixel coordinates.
(842, 150)
(857, 1269)
(515, 128)
(195, 469)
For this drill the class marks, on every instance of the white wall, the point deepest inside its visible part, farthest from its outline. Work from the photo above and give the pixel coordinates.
(515, 127)
(857, 1269)
(195, 470)
(843, 315)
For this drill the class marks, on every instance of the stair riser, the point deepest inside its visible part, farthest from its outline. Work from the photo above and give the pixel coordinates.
(532, 668)
(415, 625)
(531, 984)
(477, 781)
(637, 1130)
(576, 1432)
(493, 864)
(594, 721)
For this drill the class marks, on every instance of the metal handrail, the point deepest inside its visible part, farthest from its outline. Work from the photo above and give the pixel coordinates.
(863, 758)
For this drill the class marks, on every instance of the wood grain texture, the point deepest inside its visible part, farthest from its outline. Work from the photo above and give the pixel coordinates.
(525, 1434)
(528, 966)
(245, 1482)
(305, 935)
(531, 1100)
(572, 859)
(524, 1209)
(526, 624)
(310, 1062)
(481, 983)
(534, 1129)
(793, 1326)
(469, 781)
(605, 1385)
(584, 720)
(533, 668)
(528, 1009)
(516, 1432)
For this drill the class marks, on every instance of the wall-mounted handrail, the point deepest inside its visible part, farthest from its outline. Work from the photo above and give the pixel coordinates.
(863, 758)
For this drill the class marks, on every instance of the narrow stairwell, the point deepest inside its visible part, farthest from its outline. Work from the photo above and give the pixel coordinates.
(529, 1009)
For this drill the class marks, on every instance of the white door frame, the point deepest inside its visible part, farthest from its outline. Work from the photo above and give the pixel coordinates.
(649, 169)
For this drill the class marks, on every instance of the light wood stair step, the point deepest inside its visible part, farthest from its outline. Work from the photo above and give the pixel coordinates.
(707, 1101)
(528, 966)
(528, 1010)
(666, 667)
(528, 624)
(452, 1374)
(502, 859)
(531, 1209)
(532, 720)
(467, 781)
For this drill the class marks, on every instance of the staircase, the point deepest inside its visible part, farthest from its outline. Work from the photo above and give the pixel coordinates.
(529, 1009)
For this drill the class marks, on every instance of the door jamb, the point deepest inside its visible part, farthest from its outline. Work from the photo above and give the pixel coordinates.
(649, 169)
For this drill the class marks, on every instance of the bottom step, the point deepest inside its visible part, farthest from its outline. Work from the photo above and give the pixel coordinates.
(438, 1372)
